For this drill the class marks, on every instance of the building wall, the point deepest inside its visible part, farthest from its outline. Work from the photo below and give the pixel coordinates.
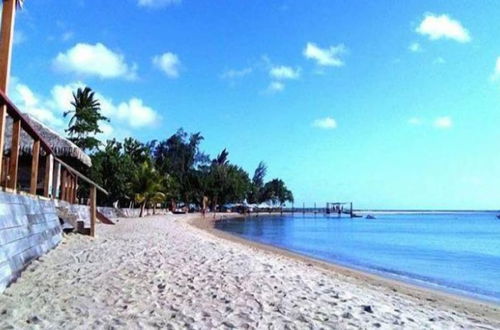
(29, 228)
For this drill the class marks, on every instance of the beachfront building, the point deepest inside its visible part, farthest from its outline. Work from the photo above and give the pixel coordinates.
(61, 184)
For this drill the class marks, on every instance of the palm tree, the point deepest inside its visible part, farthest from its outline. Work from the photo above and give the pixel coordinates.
(147, 185)
(84, 123)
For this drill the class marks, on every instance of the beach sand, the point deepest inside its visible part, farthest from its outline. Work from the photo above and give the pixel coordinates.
(163, 272)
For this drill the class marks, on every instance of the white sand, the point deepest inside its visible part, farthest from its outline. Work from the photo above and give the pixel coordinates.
(161, 272)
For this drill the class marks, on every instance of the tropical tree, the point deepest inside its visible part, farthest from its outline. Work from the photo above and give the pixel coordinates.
(257, 183)
(112, 168)
(179, 157)
(276, 192)
(83, 125)
(147, 185)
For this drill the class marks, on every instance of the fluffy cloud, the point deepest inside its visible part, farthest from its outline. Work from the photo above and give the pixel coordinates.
(330, 56)
(496, 71)
(443, 122)
(124, 116)
(157, 3)
(136, 113)
(284, 72)
(275, 87)
(169, 63)
(442, 26)
(30, 103)
(325, 123)
(415, 47)
(94, 60)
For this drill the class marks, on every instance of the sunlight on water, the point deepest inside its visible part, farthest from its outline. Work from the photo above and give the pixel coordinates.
(457, 251)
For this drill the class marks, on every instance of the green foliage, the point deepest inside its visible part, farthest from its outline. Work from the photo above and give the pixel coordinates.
(276, 192)
(170, 170)
(255, 194)
(112, 168)
(147, 185)
(84, 123)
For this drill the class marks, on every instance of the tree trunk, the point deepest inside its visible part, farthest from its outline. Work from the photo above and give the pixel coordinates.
(143, 206)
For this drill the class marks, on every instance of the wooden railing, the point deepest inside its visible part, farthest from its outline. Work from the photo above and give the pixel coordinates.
(68, 183)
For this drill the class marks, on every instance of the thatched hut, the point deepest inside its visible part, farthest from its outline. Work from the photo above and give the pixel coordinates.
(63, 148)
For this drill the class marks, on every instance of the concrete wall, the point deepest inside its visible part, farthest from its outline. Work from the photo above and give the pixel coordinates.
(29, 227)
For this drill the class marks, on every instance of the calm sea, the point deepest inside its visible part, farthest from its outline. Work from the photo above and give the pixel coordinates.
(458, 252)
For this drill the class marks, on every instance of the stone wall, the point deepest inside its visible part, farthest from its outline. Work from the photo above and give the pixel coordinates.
(29, 228)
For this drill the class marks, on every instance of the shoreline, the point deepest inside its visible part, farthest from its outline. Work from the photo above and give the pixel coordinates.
(164, 271)
(432, 296)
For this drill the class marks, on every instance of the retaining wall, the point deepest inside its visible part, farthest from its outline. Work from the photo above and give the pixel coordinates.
(29, 227)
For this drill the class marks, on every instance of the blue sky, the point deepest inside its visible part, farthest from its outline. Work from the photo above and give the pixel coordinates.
(390, 104)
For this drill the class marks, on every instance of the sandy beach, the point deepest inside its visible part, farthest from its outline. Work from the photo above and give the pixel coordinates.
(165, 272)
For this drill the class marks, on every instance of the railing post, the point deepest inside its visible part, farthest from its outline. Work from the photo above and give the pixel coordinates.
(49, 163)
(34, 167)
(72, 191)
(6, 38)
(63, 185)
(14, 153)
(56, 184)
(93, 197)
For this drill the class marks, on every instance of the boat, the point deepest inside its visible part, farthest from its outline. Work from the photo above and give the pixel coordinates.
(371, 217)
(498, 216)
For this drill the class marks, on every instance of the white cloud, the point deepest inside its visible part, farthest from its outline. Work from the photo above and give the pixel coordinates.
(325, 56)
(27, 101)
(443, 26)
(233, 74)
(415, 47)
(125, 116)
(94, 60)
(496, 71)
(284, 72)
(325, 123)
(443, 122)
(276, 87)
(169, 63)
(415, 121)
(157, 3)
(136, 113)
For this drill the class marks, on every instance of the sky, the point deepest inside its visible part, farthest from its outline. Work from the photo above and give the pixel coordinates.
(388, 104)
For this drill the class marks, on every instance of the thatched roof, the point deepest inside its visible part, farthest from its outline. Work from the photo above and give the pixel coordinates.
(61, 146)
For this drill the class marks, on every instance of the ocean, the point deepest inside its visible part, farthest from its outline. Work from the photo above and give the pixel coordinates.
(455, 252)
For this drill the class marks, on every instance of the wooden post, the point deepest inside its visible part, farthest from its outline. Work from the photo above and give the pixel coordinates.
(69, 193)
(75, 193)
(14, 153)
(93, 196)
(6, 41)
(56, 184)
(351, 211)
(49, 163)
(62, 195)
(34, 167)
(73, 189)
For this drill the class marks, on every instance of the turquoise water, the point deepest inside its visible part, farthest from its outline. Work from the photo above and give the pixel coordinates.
(458, 252)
